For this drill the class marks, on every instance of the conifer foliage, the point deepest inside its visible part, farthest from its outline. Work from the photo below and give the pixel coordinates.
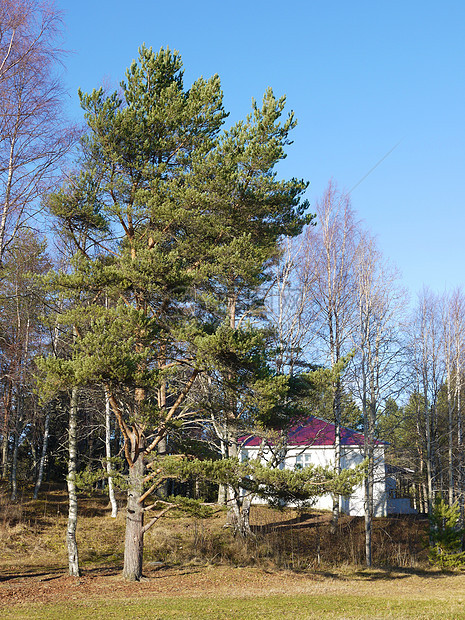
(179, 212)
(445, 535)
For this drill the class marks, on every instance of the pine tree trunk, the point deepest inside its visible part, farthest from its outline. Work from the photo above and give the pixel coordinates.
(73, 557)
(245, 520)
(134, 541)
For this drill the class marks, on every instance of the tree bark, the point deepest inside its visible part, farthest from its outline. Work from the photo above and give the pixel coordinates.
(43, 454)
(111, 490)
(134, 541)
(6, 430)
(16, 443)
(73, 557)
(238, 505)
(368, 521)
(337, 453)
(369, 489)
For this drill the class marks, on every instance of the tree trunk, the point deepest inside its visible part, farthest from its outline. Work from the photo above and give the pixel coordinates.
(460, 473)
(222, 495)
(16, 443)
(429, 457)
(163, 489)
(5, 453)
(238, 505)
(239, 514)
(6, 430)
(111, 490)
(222, 490)
(40, 473)
(73, 558)
(369, 488)
(451, 441)
(368, 523)
(337, 453)
(14, 469)
(134, 541)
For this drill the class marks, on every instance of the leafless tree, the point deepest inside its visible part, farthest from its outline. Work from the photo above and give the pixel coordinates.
(453, 321)
(290, 309)
(33, 135)
(377, 369)
(328, 261)
(426, 353)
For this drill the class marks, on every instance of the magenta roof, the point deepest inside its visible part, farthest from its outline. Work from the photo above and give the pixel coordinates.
(313, 432)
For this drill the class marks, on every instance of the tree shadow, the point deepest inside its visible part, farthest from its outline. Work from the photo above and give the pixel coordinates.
(46, 574)
(394, 573)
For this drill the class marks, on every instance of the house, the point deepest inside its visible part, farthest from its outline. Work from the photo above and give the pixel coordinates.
(313, 442)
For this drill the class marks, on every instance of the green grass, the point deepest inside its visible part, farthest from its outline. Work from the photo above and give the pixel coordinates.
(299, 606)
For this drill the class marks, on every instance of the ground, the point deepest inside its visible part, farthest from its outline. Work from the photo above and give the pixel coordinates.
(438, 593)
(197, 569)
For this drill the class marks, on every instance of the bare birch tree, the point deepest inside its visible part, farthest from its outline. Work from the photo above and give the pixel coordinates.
(426, 352)
(328, 259)
(453, 321)
(377, 370)
(33, 136)
(290, 309)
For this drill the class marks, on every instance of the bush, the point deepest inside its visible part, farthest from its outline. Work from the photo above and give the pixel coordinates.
(445, 536)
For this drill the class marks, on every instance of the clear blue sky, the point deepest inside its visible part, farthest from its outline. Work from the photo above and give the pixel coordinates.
(360, 76)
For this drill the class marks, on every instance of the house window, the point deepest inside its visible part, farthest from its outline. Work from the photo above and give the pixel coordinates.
(244, 455)
(302, 460)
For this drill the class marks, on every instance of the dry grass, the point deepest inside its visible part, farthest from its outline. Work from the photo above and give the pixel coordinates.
(289, 540)
(34, 531)
(292, 567)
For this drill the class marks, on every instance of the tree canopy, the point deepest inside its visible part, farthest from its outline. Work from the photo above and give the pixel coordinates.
(174, 220)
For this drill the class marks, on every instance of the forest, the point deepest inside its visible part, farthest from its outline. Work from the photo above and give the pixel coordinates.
(164, 293)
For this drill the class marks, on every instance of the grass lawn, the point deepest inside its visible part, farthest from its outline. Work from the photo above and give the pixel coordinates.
(228, 592)
(198, 570)
(275, 606)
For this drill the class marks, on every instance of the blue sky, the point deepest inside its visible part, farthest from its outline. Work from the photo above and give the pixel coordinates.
(361, 76)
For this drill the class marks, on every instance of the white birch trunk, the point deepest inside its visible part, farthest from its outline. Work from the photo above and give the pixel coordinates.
(73, 558)
(43, 455)
(111, 490)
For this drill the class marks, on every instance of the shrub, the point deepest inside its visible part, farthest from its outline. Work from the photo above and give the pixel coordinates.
(445, 536)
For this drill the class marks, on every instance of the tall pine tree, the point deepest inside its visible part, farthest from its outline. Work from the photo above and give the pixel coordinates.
(185, 221)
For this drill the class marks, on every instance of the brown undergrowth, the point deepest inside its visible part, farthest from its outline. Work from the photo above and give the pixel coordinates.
(33, 532)
(292, 563)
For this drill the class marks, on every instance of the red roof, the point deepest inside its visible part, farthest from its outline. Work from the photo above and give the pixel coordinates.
(313, 432)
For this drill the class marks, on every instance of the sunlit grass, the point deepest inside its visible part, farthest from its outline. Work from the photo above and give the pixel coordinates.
(296, 606)
(277, 574)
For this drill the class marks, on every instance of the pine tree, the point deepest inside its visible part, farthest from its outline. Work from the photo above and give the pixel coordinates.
(445, 535)
(184, 223)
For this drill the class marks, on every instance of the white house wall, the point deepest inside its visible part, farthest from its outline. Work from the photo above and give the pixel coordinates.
(324, 456)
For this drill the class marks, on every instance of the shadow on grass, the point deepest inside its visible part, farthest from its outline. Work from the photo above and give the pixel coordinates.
(36, 572)
(382, 573)
(44, 573)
